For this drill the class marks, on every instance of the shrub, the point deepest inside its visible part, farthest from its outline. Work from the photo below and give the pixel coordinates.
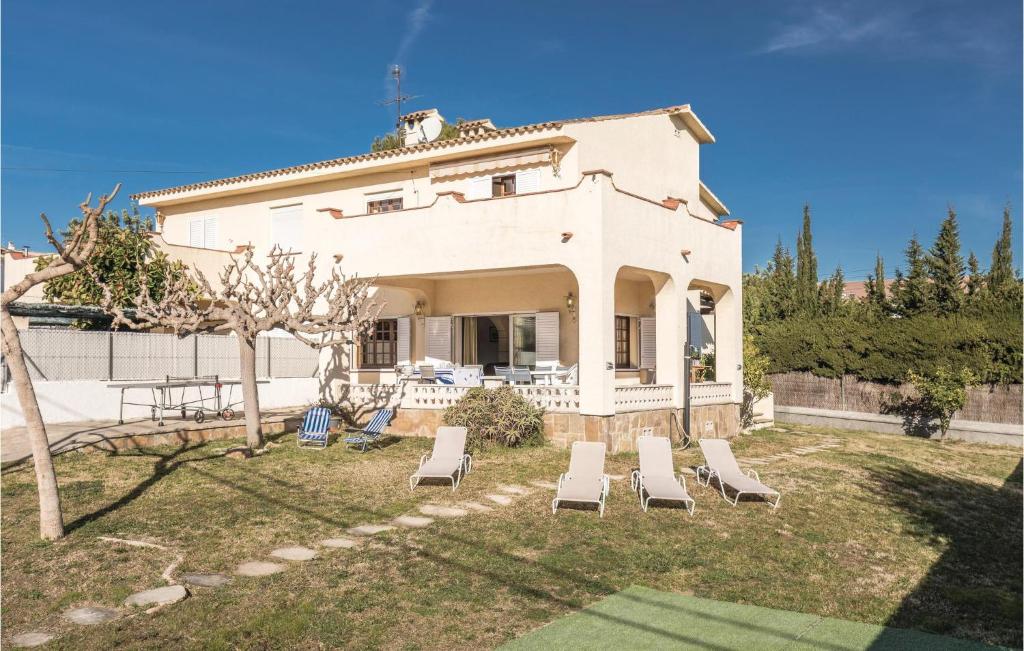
(755, 379)
(943, 393)
(499, 416)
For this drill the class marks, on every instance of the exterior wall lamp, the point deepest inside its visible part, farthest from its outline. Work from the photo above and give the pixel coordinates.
(570, 304)
(418, 309)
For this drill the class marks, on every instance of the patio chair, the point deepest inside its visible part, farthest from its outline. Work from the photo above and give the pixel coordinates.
(585, 482)
(427, 375)
(720, 464)
(656, 476)
(448, 460)
(568, 375)
(521, 375)
(504, 371)
(315, 428)
(371, 433)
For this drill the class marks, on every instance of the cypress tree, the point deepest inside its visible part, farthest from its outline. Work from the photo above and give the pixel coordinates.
(974, 279)
(781, 282)
(946, 266)
(1001, 277)
(806, 268)
(834, 291)
(875, 285)
(914, 289)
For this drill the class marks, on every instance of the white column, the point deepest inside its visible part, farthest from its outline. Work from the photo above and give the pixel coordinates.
(729, 341)
(596, 315)
(670, 315)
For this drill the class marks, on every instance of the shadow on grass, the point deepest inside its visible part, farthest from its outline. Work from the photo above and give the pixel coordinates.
(975, 585)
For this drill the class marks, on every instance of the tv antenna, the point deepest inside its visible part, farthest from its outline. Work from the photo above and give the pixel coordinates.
(396, 74)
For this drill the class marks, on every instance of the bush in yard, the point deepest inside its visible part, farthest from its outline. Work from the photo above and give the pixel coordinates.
(943, 393)
(755, 379)
(500, 415)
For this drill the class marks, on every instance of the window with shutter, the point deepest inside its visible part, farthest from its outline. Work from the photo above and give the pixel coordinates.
(195, 233)
(286, 228)
(380, 347)
(527, 181)
(210, 233)
(547, 337)
(621, 341)
(479, 188)
(202, 232)
(648, 343)
(404, 353)
(439, 338)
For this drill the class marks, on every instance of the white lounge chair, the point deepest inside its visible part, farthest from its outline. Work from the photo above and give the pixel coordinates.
(720, 464)
(585, 482)
(656, 476)
(448, 460)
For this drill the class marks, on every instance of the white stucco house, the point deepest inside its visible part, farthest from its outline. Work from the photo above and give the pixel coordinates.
(590, 242)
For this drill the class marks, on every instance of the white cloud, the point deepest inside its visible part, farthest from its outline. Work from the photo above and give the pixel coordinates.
(831, 27)
(414, 23)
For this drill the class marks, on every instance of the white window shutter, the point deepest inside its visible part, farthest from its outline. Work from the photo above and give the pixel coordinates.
(210, 232)
(547, 336)
(403, 340)
(479, 188)
(527, 181)
(286, 228)
(648, 343)
(195, 233)
(439, 338)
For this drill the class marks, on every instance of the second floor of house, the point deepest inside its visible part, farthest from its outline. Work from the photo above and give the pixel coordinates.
(654, 155)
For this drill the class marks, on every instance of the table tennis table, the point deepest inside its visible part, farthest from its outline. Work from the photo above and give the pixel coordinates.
(170, 394)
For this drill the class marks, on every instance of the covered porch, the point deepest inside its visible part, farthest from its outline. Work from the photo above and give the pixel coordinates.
(604, 373)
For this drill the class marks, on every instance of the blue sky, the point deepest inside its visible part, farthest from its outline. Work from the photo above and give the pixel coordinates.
(879, 114)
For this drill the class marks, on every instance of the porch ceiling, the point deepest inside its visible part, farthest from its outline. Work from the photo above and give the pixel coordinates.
(478, 273)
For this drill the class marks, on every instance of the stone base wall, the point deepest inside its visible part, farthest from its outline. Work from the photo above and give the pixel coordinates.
(715, 421)
(619, 431)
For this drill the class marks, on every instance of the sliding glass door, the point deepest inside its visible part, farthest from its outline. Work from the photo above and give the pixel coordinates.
(524, 340)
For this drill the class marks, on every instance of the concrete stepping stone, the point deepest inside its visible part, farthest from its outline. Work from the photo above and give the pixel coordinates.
(215, 580)
(688, 471)
(616, 477)
(169, 594)
(90, 615)
(504, 500)
(513, 489)
(259, 568)
(476, 506)
(549, 485)
(413, 521)
(443, 511)
(339, 543)
(24, 640)
(294, 553)
(369, 529)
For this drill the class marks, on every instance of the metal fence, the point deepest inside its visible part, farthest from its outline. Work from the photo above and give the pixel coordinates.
(83, 355)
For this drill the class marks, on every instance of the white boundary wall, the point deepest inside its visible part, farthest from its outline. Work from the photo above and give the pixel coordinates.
(80, 400)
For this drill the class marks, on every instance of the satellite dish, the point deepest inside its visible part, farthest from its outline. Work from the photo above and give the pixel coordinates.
(430, 127)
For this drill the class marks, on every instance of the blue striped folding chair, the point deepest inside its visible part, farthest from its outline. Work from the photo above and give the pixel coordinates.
(315, 428)
(373, 429)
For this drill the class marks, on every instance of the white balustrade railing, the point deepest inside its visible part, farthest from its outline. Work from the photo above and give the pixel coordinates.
(556, 398)
(431, 396)
(643, 397)
(710, 393)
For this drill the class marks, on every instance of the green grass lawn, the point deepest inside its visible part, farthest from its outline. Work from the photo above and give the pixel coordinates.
(882, 530)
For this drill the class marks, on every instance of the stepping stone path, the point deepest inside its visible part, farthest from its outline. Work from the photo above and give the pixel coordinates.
(169, 594)
(826, 444)
(369, 529)
(294, 553)
(339, 543)
(412, 521)
(687, 471)
(504, 500)
(545, 484)
(443, 511)
(31, 639)
(616, 477)
(476, 506)
(512, 489)
(90, 615)
(258, 568)
(206, 580)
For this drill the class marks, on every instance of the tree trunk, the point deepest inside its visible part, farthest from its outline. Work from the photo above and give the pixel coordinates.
(51, 520)
(250, 392)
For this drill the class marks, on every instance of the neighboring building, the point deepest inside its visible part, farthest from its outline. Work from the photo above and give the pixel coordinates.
(858, 289)
(586, 242)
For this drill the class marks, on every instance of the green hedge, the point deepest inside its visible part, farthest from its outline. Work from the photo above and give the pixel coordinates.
(885, 349)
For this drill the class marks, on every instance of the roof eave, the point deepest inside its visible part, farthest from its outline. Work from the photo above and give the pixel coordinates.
(708, 197)
(695, 126)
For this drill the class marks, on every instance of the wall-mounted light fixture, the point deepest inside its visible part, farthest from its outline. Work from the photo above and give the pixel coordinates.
(566, 236)
(418, 309)
(570, 304)
(685, 253)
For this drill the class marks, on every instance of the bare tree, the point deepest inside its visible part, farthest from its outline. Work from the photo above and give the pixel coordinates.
(251, 299)
(72, 254)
